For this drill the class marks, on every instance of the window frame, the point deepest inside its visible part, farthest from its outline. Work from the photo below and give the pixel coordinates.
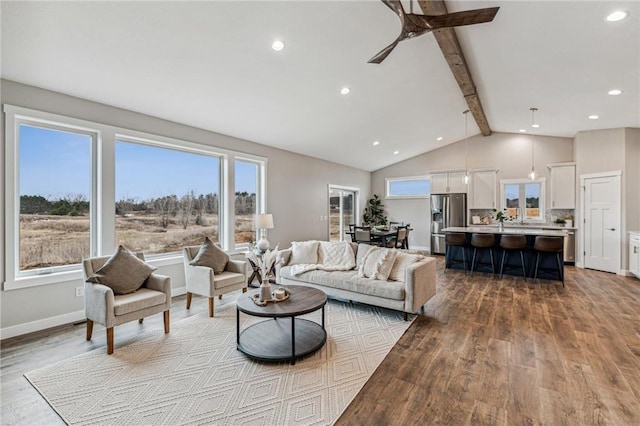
(261, 191)
(389, 181)
(102, 198)
(542, 208)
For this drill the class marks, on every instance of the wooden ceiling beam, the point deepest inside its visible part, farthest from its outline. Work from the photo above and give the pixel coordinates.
(450, 47)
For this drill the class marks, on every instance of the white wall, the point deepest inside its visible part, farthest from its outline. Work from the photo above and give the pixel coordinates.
(509, 153)
(296, 196)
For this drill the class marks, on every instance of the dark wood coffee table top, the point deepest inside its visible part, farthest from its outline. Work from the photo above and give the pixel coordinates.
(302, 300)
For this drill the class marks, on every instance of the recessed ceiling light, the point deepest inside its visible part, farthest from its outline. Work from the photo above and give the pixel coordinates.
(535, 126)
(594, 117)
(523, 130)
(439, 138)
(345, 91)
(618, 15)
(615, 92)
(396, 152)
(277, 45)
(376, 143)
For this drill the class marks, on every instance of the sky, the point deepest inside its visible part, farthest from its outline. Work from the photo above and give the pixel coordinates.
(54, 164)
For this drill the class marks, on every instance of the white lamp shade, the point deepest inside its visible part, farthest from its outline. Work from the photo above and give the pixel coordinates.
(264, 221)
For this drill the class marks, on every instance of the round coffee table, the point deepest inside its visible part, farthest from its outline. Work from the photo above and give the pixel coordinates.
(283, 337)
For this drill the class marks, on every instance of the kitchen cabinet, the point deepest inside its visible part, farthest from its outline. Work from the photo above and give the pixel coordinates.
(483, 189)
(634, 253)
(563, 186)
(448, 182)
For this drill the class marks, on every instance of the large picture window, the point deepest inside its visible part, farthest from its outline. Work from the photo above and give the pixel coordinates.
(247, 175)
(165, 198)
(54, 186)
(524, 199)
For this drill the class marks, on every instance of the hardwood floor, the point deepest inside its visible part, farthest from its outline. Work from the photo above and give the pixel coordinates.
(495, 351)
(487, 351)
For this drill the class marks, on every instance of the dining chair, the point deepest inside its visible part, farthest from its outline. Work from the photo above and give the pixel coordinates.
(405, 243)
(362, 234)
(395, 225)
(398, 240)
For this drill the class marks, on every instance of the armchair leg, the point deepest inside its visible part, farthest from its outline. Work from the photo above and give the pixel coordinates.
(140, 320)
(219, 297)
(244, 289)
(211, 306)
(89, 328)
(110, 340)
(166, 321)
(189, 300)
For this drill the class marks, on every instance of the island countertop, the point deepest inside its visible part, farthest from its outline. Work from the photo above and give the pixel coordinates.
(506, 231)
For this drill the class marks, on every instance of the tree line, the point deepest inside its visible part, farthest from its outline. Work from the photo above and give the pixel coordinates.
(187, 209)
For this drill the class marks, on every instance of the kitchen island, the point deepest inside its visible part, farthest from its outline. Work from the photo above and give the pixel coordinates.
(512, 265)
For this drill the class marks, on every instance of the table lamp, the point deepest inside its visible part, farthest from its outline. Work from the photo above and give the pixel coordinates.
(264, 222)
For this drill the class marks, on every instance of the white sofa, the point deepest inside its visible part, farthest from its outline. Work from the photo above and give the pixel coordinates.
(408, 295)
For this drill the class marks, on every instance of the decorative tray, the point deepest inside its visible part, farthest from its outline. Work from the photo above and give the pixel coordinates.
(256, 297)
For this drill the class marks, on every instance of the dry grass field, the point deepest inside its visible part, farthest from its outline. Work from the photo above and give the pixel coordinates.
(47, 241)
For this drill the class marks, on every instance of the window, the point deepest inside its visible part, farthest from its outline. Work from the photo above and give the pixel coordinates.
(167, 201)
(408, 187)
(523, 196)
(247, 183)
(54, 187)
(343, 208)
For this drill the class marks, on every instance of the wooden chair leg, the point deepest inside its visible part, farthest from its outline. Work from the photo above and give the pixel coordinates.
(189, 300)
(211, 306)
(110, 340)
(219, 297)
(140, 320)
(89, 329)
(244, 289)
(166, 321)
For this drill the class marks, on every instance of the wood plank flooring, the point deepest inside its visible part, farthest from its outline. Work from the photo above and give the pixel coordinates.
(507, 352)
(487, 351)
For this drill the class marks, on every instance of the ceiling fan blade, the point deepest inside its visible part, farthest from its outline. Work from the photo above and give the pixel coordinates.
(396, 6)
(383, 53)
(469, 17)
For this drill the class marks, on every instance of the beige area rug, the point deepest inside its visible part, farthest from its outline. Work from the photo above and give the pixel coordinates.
(195, 375)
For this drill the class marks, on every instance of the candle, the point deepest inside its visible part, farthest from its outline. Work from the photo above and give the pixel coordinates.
(279, 293)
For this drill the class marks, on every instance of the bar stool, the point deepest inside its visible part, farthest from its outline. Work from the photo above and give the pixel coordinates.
(509, 244)
(455, 239)
(482, 241)
(549, 245)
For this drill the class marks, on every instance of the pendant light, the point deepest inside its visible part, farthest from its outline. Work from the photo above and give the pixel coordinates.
(465, 179)
(532, 173)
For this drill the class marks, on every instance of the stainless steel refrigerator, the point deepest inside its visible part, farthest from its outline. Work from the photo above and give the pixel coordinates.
(446, 210)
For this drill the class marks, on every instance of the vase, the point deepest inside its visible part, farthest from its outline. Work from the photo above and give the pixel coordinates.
(500, 226)
(265, 290)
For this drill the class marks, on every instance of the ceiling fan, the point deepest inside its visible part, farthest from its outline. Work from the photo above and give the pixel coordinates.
(414, 25)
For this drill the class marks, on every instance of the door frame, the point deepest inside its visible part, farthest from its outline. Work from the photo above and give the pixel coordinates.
(356, 205)
(583, 188)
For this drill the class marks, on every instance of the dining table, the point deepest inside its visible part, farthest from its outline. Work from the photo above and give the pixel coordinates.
(379, 236)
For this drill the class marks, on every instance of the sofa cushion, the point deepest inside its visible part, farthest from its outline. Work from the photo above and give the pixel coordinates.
(400, 265)
(211, 256)
(124, 272)
(377, 264)
(304, 252)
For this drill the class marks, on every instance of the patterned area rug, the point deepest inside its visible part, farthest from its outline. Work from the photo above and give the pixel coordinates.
(195, 375)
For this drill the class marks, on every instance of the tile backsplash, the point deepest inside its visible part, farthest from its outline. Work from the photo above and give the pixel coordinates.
(550, 215)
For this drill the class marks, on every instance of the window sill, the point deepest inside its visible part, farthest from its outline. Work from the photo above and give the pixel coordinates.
(39, 280)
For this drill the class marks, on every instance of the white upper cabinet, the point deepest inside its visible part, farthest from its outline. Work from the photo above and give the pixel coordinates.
(563, 186)
(483, 189)
(451, 182)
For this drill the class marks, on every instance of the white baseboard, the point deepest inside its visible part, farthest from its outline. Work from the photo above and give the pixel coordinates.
(68, 318)
(41, 324)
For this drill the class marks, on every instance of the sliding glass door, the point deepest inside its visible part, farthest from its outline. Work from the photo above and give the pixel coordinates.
(343, 210)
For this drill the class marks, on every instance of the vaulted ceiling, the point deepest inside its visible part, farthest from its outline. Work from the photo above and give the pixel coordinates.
(210, 65)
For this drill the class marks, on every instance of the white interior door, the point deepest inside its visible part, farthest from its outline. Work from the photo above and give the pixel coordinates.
(601, 213)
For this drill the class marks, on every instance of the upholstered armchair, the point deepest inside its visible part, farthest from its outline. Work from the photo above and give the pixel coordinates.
(104, 306)
(203, 281)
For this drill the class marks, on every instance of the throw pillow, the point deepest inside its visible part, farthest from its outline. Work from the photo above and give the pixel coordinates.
(363, 249)
(124, 272)
(304, 253)
(211, 256)
(377, 263)
(402, 261)
(336, 253)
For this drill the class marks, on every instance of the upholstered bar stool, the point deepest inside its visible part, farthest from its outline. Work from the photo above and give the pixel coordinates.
(453, 240)
(509, 244)
(549, 246)
(482, 242)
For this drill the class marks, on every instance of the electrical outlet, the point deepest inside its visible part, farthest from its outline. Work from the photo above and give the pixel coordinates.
(80, 291)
